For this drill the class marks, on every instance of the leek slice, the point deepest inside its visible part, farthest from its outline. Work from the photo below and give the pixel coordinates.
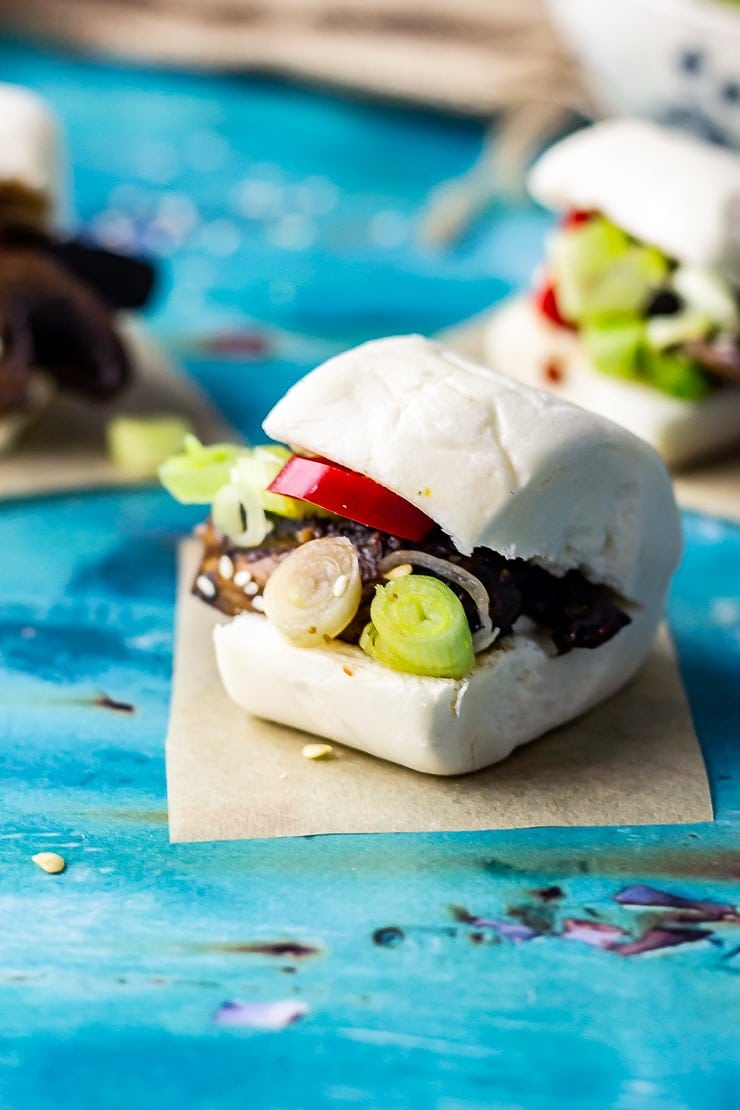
(418, 625)
(194, 476)
(257, 468)
(598, 271)
(675, 374)
(707, 293)
(139, 445)
(615, 348)
(680, 327)
(237, 512)
(313, 593)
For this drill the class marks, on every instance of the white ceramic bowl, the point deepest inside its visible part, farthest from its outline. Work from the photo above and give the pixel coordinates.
(675, 61)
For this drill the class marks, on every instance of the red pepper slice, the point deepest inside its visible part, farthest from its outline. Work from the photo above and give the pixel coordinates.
(352, 495)
(576, 217)
(546, 302)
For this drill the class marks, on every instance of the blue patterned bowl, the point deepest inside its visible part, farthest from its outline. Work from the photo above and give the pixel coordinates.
(675, 61)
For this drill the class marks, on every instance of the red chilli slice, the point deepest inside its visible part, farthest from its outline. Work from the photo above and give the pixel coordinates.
(576, 217)
(547, 304)
(351, 495)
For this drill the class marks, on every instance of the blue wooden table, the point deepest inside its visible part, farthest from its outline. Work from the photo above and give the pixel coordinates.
(459, 971)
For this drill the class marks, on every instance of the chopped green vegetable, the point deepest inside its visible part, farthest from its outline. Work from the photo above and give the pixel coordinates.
(237, 512)
(257, 468)
(199, 475)
(598, 271)
(614, 348)
(674, 374)
(708, 294)
(139, 445)
(681, 327)
(315, 591)
(623, 349)
(418, 625)
(194, 476)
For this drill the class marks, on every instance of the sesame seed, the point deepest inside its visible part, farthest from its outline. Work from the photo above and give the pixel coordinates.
(339, 588)
(317, 751)
(258, 604)
(251, 589)
(205, 586)
(398, 572)
(225, 567)
(50, 862)
(242, 577)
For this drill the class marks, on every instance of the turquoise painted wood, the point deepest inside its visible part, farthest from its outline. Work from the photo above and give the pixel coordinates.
(458, 971)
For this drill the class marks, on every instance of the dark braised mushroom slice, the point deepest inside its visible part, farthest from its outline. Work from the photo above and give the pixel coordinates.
(121, 281)
(56, 322)
(16, 355)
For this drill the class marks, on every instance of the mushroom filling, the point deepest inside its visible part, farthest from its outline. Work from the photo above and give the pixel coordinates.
(575, 612)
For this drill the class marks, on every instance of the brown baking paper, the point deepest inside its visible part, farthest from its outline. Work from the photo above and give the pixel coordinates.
(65, 448)
(634, 760)
(712, 487)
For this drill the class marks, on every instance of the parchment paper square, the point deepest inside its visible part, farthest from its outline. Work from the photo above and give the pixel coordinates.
(634, 760)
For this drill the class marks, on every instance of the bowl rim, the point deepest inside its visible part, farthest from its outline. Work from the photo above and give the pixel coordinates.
(715, 16)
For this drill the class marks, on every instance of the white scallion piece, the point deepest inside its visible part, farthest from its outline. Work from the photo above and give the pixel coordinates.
(300, 598)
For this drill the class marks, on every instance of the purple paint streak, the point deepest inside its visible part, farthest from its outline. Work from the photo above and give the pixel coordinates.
(597, 934)
(699, 909)
(261, 1015)
(655, 939)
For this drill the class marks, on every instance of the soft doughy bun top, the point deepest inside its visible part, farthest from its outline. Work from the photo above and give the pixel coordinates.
(493, 462)
(662, 186)
(31, 149)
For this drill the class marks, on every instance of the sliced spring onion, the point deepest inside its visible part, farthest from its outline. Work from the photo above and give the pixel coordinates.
(614, 346)
(257, 468)
(196, 474)
(443, 568)
(598, 271)
(140, 445)
(707, 293)
(313, 594)
(418, 625)
(675, 374)
(237, 512)
(664, 332)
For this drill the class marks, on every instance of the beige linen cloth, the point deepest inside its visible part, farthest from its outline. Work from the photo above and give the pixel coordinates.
(474, 56)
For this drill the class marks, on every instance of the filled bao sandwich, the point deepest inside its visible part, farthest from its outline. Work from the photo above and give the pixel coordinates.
(443, 565)
(59, 295)
(635, 312)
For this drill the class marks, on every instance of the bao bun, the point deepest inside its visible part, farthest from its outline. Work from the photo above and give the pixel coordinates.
(495, 464)
(669, 190)
(32, 155)
(523, 344)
